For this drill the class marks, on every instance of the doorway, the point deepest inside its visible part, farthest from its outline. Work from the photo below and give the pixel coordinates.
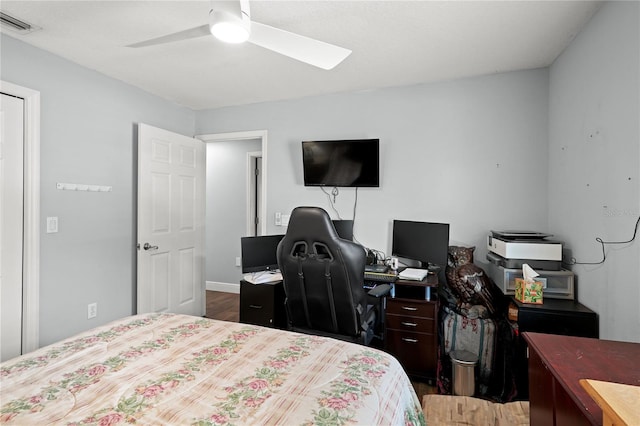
(235, 198)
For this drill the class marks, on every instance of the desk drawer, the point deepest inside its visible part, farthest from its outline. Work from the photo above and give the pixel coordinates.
(411, 324)
(415, 351)
(257, 314)
(412, 308)
(262, 304)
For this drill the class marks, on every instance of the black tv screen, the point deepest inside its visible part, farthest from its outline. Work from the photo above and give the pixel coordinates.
(259, 253)
(344, 163)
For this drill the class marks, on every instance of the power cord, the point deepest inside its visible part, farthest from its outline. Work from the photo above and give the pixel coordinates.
(334, 192)
(602, 243)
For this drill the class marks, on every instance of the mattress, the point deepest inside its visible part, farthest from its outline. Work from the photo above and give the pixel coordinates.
(179, 369)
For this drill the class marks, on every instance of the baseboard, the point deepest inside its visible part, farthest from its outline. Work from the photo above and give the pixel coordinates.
(224, 287)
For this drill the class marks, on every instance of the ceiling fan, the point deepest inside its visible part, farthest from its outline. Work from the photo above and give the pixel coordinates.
(230, 21)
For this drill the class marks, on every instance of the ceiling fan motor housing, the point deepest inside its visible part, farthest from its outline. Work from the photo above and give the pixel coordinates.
(229, 21)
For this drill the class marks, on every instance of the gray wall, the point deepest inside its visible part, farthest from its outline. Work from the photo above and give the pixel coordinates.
(470, 152)
(88, 135)
(226, 208)
(594, 163)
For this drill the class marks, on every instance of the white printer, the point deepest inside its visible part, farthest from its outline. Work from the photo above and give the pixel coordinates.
(513, 248)
(509, 250)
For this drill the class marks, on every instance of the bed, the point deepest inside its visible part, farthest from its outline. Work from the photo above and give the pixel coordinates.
(179, 369)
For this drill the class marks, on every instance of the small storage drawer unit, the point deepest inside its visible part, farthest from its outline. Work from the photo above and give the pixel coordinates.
(559, 283)
(411, 333)
(262, 304)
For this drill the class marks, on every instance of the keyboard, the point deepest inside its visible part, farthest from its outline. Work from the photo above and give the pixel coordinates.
(383, 277)
(376, 268)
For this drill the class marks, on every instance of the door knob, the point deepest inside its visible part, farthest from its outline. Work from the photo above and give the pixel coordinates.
(148, 246)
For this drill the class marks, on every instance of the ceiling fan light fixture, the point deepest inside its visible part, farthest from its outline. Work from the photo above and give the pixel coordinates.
(229, 28)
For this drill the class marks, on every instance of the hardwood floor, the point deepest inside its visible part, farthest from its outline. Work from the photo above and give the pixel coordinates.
(226, 307)
(223, 306)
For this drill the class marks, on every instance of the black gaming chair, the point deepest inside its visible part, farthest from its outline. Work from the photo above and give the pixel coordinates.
(323, 277)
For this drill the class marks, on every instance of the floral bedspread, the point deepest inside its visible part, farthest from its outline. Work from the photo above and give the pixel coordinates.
(185, 370)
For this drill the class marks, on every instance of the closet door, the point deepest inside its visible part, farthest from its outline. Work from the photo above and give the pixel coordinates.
(11, 224)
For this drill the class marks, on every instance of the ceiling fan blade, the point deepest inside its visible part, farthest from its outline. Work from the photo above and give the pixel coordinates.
(200, 31)
(304, 49)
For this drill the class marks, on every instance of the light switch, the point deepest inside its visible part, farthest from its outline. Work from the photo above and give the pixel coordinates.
(278, 219)
(52, 224)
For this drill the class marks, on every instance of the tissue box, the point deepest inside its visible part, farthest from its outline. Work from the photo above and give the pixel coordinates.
(529, 292)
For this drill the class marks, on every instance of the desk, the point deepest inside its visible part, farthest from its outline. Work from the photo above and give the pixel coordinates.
(411, 322)
(558, 363)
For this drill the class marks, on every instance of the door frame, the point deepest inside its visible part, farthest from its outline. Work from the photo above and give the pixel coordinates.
(31, 224)
(251, 191)
(251, 134)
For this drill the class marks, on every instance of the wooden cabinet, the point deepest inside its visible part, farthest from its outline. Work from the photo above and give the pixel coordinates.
(263, 304)
(556, 365)
(411, 326)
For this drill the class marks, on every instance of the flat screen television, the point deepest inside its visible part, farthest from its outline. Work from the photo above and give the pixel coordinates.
(341, 163)
(259, 253)
(422, 241)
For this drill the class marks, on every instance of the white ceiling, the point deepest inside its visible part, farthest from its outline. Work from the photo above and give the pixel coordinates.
(394, 43)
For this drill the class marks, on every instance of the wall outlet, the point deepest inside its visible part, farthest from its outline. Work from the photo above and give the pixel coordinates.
(92, 310)
(238, 261)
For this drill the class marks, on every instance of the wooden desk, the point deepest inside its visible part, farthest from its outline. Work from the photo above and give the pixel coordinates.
(556, 365)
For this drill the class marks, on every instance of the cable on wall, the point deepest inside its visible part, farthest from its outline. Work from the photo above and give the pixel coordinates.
(332, 200)
(573, 260)
(334, 192)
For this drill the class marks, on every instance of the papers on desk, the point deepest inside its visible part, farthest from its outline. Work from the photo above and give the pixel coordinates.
(413, 274)
(267, 277)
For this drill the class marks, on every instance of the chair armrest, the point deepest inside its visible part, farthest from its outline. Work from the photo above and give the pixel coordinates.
(380, 290)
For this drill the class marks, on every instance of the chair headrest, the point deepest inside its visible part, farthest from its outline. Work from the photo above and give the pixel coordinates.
(311, 224)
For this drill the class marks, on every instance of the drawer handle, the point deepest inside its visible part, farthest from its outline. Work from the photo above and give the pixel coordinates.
(408, 340)
(256, 306)
(409, 308)
(409, 324)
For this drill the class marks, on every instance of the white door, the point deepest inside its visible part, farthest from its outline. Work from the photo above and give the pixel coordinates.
(171, 201)
(11, 224)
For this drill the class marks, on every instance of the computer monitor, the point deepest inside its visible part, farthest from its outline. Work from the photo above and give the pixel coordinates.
(425, 242)
(344, 228)
(259, 253)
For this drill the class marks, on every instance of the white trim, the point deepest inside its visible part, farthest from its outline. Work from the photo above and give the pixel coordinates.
(252, 134)
(31, 248)
(224, 287)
